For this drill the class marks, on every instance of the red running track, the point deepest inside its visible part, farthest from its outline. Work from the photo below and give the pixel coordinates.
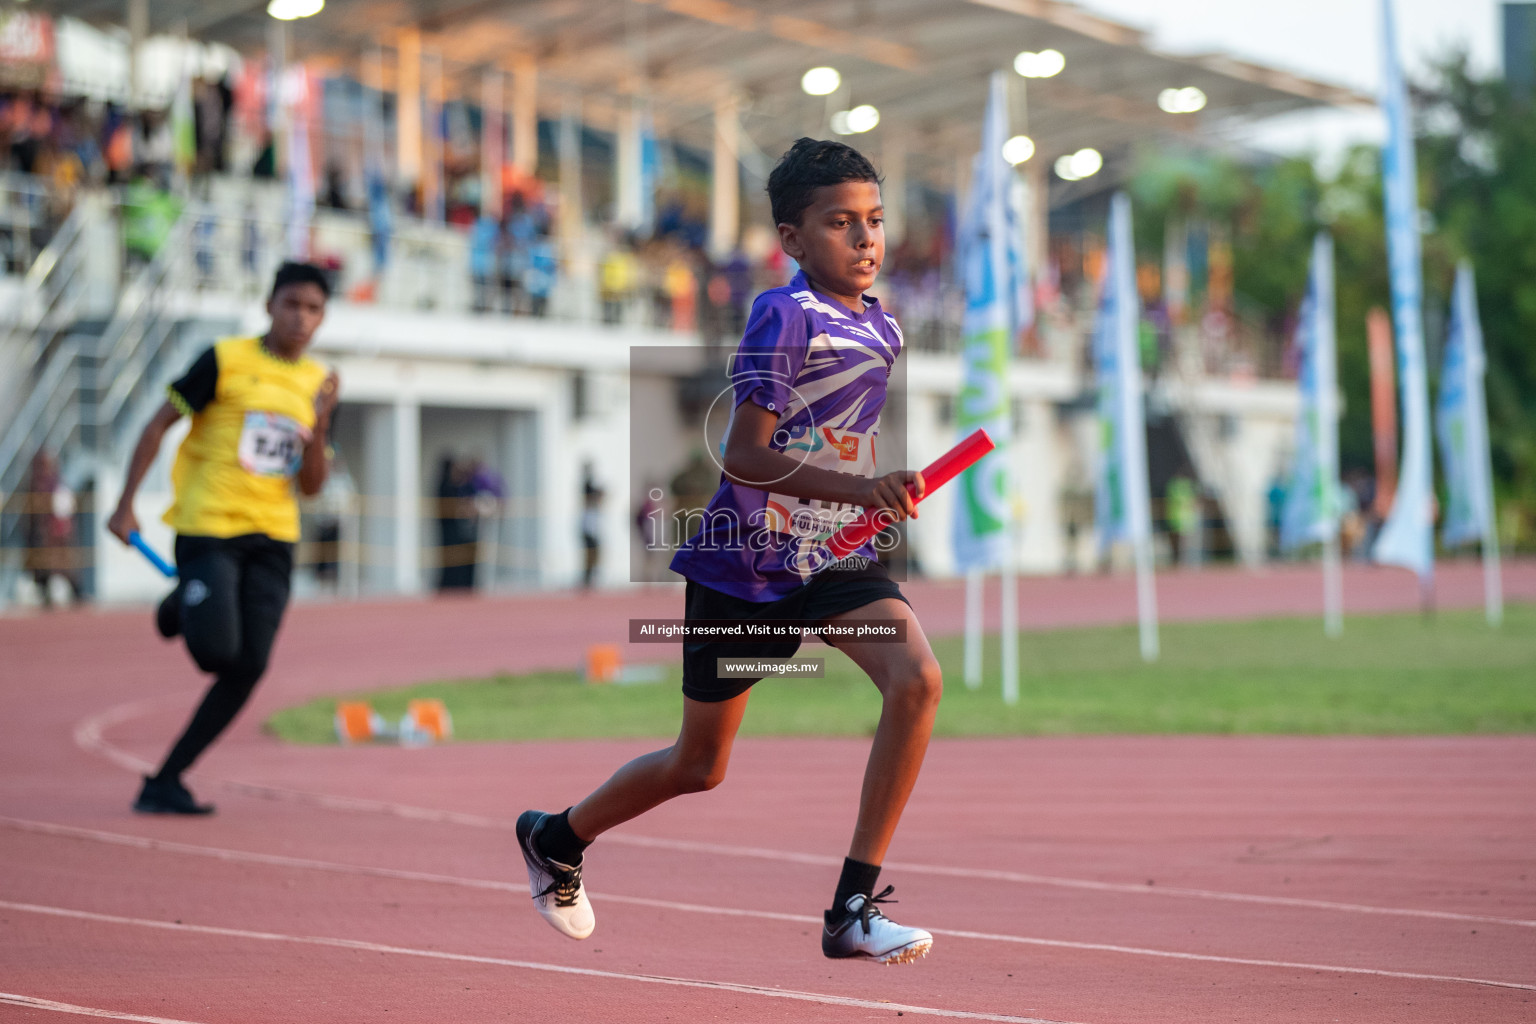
(1092, 879)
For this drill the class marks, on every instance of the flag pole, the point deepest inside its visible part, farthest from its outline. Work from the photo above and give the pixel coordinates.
(973, 613)
(1010, 615)
(1327, 434)
(1132, 421)
(1476, 363)
(1146, 599)
(1493, 586)
(1333, 585)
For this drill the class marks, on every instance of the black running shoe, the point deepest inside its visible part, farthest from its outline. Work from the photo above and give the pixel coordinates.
(168, 615)
(168, 796)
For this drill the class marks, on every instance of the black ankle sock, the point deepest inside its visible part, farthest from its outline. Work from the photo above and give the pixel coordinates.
(858, 877)
(558, 842)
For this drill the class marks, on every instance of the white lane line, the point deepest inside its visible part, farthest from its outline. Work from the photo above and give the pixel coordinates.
(34, 1003)
(821, 860)
(824, 999)
(88, 736)
(304, 863)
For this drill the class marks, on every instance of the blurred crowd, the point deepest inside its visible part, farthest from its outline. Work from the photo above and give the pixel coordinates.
(74, 142)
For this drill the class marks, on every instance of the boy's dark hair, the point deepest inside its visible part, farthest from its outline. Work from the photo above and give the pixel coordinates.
(301, 273)
(811, 164)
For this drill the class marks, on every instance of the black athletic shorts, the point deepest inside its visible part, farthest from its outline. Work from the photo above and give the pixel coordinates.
(830, 592)
(233, 594)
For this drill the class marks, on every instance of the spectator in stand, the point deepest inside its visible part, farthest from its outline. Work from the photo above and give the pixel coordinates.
(153, 147)
(518, 233)
(717, 296)
(651, 525)
(117, 146)
(50, 530)
(539, 278)
(28, 123)
(212, 103)
(457, 526)
(591, 531)
(682, 287)
(617, 278)
(335, 195)
(484, 238)
(738, 275)
(656, 256)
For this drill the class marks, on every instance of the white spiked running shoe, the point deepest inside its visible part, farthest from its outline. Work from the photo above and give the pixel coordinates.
(864, 932)
(556, 887)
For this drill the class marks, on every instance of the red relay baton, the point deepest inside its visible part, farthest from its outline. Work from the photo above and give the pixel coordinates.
(938, 473)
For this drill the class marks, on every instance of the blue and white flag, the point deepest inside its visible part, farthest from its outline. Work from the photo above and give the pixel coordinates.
(1407, 537)
(1462, 423)
(1311, 511)
(996, 309)
(1122, 509)
(650, 173)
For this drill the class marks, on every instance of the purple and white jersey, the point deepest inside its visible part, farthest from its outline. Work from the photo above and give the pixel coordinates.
(823, 369)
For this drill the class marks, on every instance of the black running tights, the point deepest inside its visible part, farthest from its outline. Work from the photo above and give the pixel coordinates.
(233, 593)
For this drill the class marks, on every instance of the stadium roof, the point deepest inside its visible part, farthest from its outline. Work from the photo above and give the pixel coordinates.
(922, 63)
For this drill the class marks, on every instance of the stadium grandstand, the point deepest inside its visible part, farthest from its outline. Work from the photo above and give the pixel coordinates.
(522, 203)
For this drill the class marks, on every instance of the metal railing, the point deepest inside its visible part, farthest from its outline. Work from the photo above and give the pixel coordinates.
(41, 376)
(28, 211)
(46, 305)
(134, 346)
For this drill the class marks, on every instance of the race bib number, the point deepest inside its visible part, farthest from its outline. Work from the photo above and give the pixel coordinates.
(271, 445)
(842, 451)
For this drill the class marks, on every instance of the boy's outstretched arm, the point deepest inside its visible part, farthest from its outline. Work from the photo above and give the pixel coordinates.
(123, 522)
(751, 462)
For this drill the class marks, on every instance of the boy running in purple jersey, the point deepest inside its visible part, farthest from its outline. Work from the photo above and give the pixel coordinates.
(809, 384)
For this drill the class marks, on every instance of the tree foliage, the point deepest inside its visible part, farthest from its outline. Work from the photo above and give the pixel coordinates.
(1476, 148)
(1477, 165)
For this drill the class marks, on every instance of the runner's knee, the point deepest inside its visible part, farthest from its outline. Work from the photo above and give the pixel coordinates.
(697, 773)
(917, 685)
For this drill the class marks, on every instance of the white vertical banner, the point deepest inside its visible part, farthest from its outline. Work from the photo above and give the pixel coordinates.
(1407, 537)
(996, 297)
(1461, 422)
(1311, 510)
(298, 101)
(1123, 508)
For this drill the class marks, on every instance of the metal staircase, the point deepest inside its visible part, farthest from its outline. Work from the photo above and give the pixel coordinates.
(80, 394)
(139, 347)
(41, 370)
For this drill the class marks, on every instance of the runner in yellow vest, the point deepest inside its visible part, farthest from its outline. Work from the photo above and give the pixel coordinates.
(260, 411)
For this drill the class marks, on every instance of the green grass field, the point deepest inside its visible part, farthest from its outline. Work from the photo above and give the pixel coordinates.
(1391, 674)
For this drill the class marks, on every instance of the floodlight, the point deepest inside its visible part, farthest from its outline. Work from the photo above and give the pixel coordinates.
(840, 123)
(820, 81)
(289, 10)
(1018, 149)
(1181, 101)
(1085, 163)
(862, 118)
(1045, 64)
